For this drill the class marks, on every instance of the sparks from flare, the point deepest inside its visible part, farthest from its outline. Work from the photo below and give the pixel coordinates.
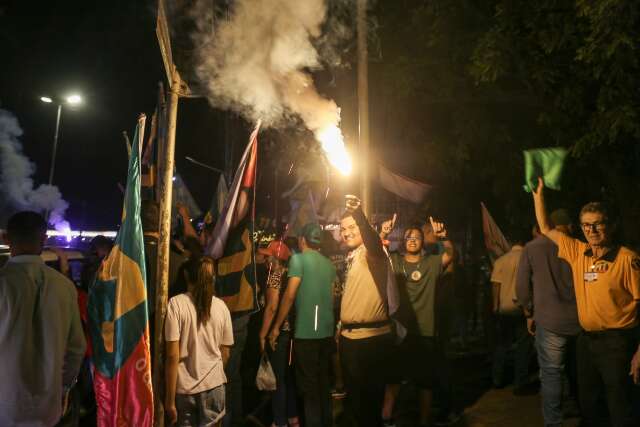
(332, 143)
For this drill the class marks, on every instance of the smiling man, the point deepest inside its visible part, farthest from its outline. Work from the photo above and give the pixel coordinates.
(606, 279)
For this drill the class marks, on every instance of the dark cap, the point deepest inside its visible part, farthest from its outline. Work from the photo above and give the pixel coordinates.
(312, 233)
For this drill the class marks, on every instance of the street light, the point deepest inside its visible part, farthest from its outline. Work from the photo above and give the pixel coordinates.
(72, 100)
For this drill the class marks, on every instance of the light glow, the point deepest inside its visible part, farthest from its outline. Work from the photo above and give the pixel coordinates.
(46, 99)
(332, 143)
(74, 99)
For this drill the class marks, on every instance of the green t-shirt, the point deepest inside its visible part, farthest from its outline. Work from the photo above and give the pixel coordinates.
(418, 292)
(314, 299)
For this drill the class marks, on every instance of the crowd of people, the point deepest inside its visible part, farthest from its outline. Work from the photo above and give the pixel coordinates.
(347, 319)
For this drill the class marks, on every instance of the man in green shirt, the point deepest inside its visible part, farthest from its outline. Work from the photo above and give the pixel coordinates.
(417, 275)
(310, 285)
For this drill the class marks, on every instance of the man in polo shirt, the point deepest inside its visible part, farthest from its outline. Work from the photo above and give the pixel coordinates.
(606, 279)
(310, 285)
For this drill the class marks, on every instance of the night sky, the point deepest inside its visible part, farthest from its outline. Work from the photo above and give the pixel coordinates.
(106, 51)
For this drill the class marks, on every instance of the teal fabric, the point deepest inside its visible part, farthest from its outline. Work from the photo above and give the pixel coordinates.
(547, 163)
(315, 293)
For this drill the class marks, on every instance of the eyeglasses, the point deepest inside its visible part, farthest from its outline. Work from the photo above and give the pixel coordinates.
(412, 239)
(595, 226)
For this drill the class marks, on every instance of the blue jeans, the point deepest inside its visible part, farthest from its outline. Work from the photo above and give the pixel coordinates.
(552, 356)
(283, 401)
(234, 416)
(201, 409)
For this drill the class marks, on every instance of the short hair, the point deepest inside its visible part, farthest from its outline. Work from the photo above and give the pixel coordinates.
(150, 216)
(26, 227)
(598, 207)
(346, 215)
(519, 235)
(102, 242)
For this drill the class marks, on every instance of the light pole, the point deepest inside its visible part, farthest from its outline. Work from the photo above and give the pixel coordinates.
(72, 100)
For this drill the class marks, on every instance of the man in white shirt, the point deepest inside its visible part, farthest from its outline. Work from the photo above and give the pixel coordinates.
(41, 340)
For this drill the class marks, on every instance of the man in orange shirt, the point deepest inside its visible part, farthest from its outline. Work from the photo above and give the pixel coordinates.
(606, 279)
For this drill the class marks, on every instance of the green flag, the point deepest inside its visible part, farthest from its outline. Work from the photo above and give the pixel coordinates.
(546, 163)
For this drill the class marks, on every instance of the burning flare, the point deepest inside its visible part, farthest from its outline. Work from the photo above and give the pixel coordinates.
(332, 142)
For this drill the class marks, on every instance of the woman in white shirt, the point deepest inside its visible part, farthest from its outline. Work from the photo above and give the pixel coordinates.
(198, 334)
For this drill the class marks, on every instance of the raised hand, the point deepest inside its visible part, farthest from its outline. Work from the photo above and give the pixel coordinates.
(352, 203)
(537, 192)
(439, 230)
(388, 226)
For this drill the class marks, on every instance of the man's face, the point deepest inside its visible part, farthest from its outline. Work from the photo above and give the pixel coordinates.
(429, 235)
(350, 233)
(413, 242)
(595, 229)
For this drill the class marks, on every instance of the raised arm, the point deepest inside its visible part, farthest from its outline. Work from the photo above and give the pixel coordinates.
(440, 232)
(545, 225)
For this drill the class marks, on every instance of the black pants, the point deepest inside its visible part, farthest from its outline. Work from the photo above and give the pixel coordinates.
(312, 377)
(604, 383)
(365, 366)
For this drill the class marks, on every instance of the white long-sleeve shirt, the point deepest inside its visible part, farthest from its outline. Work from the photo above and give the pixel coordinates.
(41, 341)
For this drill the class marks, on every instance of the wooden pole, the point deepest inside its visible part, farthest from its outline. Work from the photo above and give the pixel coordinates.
(363, 107)
(165, 175)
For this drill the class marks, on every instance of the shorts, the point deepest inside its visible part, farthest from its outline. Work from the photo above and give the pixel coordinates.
(201, 409)
(416, 360)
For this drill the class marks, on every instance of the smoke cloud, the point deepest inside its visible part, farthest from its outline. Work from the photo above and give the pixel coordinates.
(257, 60)
(17, 189)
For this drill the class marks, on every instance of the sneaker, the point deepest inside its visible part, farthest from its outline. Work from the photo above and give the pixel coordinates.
(450, 419)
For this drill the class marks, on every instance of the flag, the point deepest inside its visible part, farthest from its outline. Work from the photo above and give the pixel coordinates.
(182, 195)
(217, 201)
(232, 244)
(402, 186)
(119, 324)
(546, 163)
(494, 240)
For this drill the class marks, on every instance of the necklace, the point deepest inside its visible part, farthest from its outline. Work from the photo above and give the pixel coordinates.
(416, 275)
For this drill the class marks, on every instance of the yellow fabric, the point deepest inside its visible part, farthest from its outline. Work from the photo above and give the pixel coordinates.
(607, 297)
(361, 301)
(124, 270)
(244, 299)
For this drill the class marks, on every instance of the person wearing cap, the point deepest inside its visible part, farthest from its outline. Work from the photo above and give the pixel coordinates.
(544, 289)
(606, 280)
(310, 286)
(283, 401)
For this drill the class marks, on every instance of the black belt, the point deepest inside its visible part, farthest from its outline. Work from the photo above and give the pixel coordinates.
(379, 324)
(630, 332)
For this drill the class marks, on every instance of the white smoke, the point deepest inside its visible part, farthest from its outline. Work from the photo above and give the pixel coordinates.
(257, 61)
(17, 189)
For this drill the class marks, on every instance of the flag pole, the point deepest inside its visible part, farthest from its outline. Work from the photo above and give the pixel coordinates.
(165, 173)
(363, 106)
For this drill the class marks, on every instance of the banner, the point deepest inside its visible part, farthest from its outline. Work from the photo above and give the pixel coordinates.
(118, 317)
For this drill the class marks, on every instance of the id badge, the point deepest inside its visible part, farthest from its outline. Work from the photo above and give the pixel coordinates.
(590, 276)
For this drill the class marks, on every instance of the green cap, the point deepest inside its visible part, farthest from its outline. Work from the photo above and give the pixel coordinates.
(312, 233)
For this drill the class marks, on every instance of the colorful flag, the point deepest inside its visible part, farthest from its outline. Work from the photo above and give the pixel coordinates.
(494, 240)
(233, 245)
(402, 186)
(119, 323)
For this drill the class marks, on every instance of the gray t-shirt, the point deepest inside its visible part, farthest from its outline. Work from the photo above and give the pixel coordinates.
(41, 341)
(547, 278)
(417, 287)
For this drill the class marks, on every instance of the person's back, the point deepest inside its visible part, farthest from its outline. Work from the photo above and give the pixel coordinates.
(314, 300)
(201, 366)
(504, 273)
(41, 339)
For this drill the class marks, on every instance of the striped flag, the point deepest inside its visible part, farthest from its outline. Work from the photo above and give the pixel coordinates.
(494, 240)
(233, 245)
(118, 318)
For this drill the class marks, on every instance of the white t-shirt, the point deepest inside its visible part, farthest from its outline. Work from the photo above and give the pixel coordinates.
(504, 272)
(200, 367)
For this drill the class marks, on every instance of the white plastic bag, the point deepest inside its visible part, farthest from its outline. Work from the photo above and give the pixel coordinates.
(265, 379)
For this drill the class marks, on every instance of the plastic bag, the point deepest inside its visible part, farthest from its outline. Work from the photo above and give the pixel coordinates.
(265, 379)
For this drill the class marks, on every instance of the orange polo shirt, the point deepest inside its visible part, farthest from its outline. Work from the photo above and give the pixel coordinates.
(607, 288)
